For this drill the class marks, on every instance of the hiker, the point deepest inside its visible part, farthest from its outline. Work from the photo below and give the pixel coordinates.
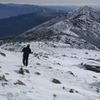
(26, 51)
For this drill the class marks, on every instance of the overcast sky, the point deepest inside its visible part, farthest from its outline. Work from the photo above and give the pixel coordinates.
(54, 2)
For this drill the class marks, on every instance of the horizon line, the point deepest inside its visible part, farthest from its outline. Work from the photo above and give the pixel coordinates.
(54, 4)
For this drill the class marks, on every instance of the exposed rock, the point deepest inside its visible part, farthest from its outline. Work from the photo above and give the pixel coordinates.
(56, 81)
(92, 67)
(19, 83)
(21, 71)
(37, 73)
(2, 78)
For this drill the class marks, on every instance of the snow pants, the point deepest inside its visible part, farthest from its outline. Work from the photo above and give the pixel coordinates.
(25, 59)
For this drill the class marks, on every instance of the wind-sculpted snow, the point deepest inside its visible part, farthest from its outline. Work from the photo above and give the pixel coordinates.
(50, 61)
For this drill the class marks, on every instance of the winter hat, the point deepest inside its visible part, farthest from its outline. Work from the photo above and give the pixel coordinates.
(28, 45)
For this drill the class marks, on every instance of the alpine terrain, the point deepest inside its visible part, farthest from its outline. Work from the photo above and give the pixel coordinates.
(80, 27)
(9, 10)
(64, 63)
(10, 27)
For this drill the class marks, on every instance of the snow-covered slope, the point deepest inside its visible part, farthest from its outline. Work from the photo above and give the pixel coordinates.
(80, 24)
(50, 60)
(87, 11)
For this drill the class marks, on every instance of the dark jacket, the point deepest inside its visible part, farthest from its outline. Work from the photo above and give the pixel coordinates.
(26, 52)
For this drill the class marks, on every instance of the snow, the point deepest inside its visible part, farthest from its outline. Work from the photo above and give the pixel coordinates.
(51, 60)
(88, 11)
(71, 27)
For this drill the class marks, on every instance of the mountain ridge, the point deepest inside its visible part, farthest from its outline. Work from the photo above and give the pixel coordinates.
(88, 11)
(66, 16)
(80, 22)
(7, 10)
(10, 27)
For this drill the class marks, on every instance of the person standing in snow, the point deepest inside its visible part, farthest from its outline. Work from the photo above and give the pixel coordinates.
(26, 51)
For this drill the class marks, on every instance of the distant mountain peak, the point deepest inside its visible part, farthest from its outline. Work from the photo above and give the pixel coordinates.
(86, 7)
(43, 10)
(87, 11)
(43, 13)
